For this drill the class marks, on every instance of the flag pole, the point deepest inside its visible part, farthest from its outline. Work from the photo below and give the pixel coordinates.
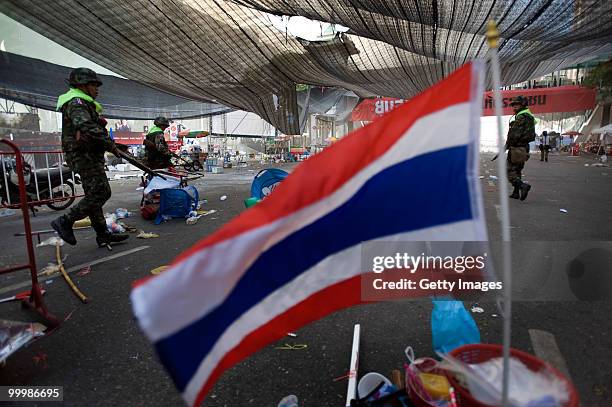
(492, 39)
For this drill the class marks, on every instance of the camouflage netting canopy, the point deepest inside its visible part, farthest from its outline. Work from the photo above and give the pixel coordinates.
(37, 83)
(230, 52)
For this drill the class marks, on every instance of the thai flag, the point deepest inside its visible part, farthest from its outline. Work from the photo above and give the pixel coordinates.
(411, 175)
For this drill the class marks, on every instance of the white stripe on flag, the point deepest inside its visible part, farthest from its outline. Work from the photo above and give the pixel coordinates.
(333, 269)
(174, 299)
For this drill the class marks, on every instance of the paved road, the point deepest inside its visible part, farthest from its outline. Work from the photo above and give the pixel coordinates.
(101, 358)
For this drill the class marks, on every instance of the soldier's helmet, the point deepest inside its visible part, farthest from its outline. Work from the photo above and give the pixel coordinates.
(519, 100)
(161, 121)
(83, 76)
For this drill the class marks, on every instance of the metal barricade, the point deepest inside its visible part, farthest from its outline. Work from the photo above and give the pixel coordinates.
(47, 180)
(35, 300)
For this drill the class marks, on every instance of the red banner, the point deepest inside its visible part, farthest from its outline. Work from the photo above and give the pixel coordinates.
(133, 138)
(541, 100)
(128, 137)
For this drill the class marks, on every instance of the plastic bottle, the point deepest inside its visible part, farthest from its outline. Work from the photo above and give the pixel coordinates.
(289, 401)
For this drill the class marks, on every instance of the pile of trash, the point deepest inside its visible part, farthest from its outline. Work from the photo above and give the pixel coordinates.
(113, 223)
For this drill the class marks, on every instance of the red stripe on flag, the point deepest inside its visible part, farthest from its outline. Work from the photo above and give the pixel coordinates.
(338, 296)
(331, 168)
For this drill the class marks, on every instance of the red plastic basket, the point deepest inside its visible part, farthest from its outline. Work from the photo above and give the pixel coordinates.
(478, 353)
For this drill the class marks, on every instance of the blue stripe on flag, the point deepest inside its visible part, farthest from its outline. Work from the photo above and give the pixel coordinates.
(422, 192)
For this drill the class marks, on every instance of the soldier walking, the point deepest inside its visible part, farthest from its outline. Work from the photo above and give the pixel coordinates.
(520, 134)
(157, 153)
(84, 141)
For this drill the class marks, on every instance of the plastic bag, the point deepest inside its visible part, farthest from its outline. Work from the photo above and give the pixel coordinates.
(122, 213)
(14, 335)
(527, 388)
(414, 384)
(452, 326)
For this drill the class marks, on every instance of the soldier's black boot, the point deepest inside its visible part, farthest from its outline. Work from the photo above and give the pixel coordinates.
(107, 239)
(515, 193)
(63, 227)
(524, 190)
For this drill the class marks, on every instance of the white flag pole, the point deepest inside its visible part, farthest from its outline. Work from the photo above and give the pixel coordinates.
(351, 393)
(492, 39)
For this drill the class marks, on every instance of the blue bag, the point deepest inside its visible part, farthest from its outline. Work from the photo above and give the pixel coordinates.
(265, 181)
(176, 203)
(452, 326)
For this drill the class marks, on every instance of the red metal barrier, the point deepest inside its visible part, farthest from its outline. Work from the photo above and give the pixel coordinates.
(35, 300)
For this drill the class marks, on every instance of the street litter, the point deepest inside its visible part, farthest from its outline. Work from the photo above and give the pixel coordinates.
(14, 335)
(122, 213)
(69, 315)
(115, 228)
(292, 334)
(158, 270)
(192, 220)
(128, 228)
(7, 212)
(223, 198)
(586, 165)
(527, 387)
(20, 296)
(146, 235)
(49, 270)
(111, 223)
(477, 310)
(563, 210)
(288, 401)
(83, 223)
(204, 213)
(292, 347)
(52, 241)
(493, 177)
(41, 358)
(84, 271)
(49, 282)
(481, 177)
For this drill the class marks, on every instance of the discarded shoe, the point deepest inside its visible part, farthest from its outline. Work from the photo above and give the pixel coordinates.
(524, 191)
(63, 227)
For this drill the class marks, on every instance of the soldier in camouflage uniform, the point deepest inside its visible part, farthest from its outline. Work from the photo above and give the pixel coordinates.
(84, 141)
(157, 153)
(520, 134)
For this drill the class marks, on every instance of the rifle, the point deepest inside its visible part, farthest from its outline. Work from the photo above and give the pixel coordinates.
(132, 160)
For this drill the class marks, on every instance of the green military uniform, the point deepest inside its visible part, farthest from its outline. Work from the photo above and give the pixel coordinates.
(520, 134)
(159, 156)
(84, 141)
